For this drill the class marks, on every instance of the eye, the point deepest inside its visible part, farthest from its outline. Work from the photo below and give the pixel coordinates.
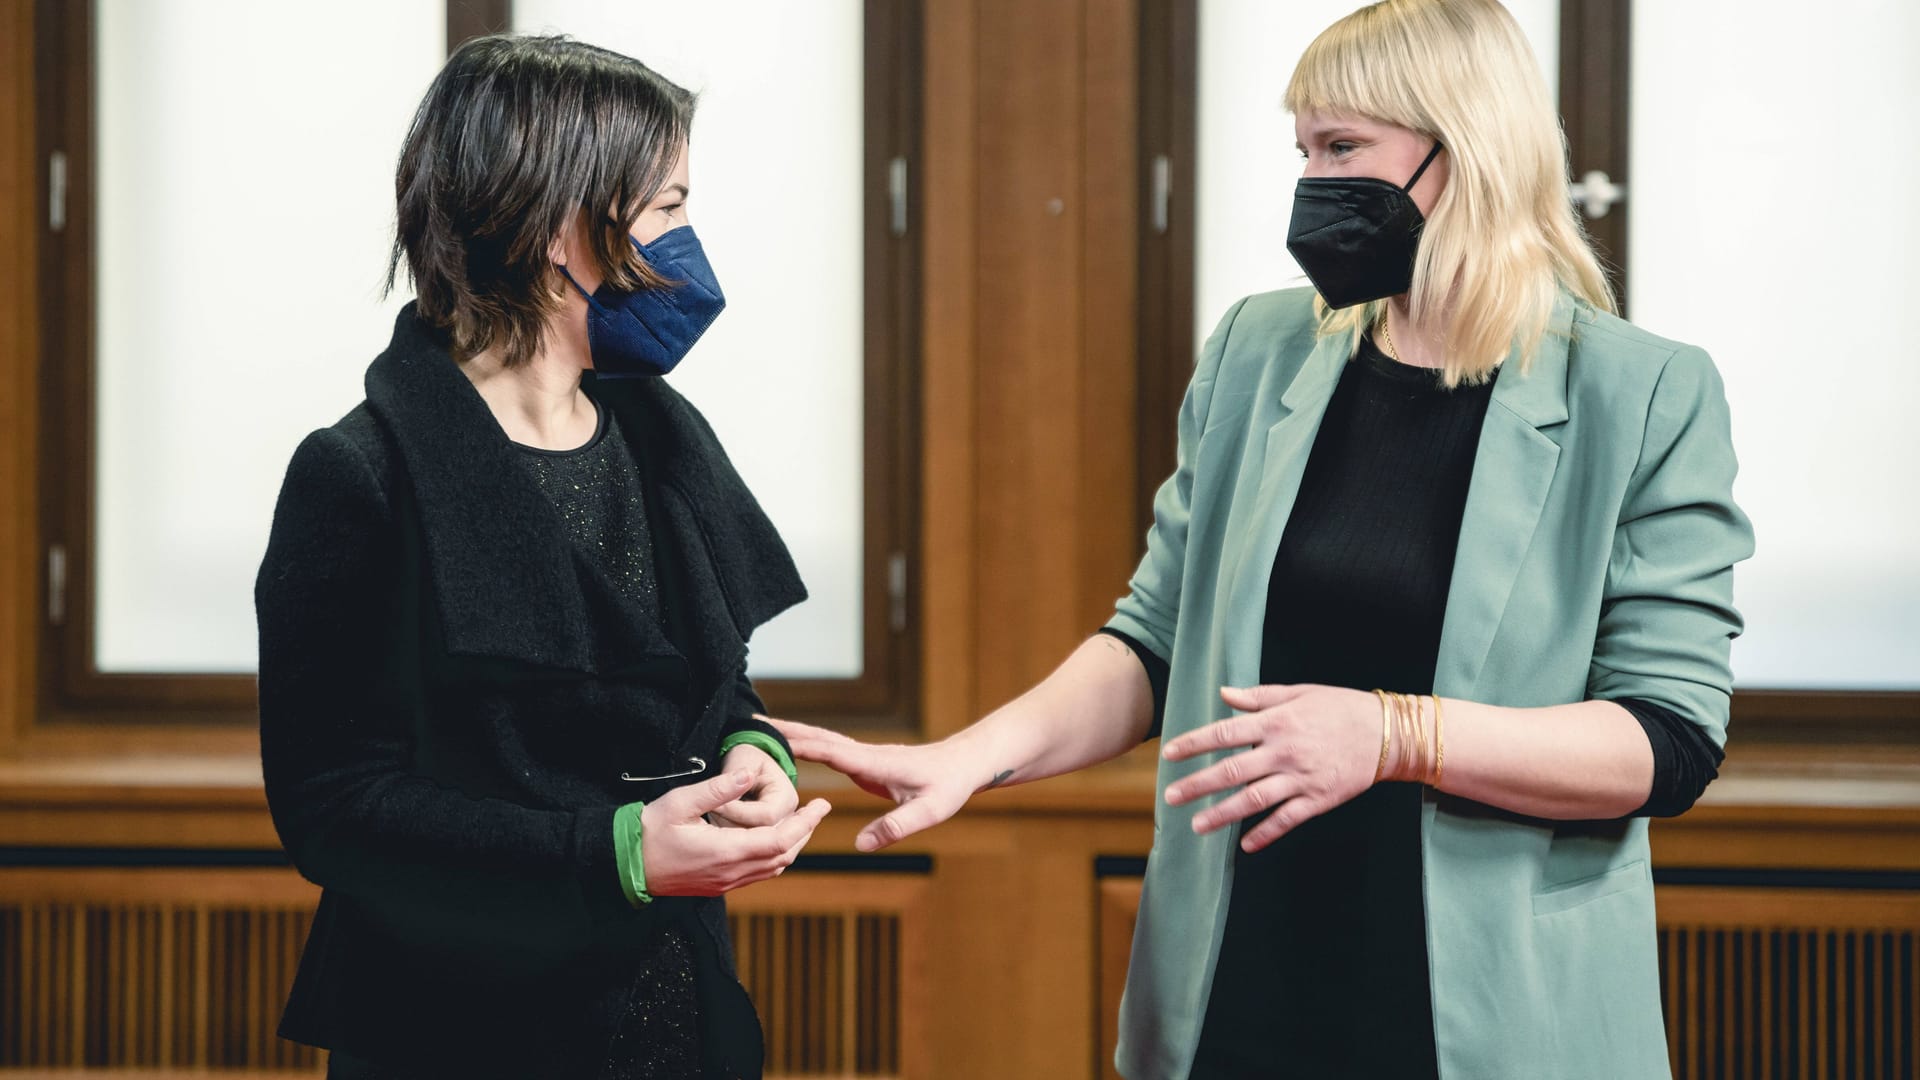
(1343, 148)
(672, 209)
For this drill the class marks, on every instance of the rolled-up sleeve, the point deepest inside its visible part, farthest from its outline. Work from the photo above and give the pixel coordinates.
(1667, 619)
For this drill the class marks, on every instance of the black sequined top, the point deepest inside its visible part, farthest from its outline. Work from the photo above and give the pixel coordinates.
(602, 502)
(600, 494)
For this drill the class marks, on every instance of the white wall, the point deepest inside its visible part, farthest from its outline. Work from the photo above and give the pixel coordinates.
(776, 162)
(1246, 163)
(245, 169)
(1774, 223)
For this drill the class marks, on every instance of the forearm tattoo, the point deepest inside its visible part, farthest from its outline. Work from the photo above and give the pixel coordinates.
(1003, 777)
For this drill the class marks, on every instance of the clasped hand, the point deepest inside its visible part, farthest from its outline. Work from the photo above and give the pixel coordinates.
(757, 829)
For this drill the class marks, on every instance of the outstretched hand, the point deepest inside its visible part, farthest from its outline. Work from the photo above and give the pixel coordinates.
(930, 783)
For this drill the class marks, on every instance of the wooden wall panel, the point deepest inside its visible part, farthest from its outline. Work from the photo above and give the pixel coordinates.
(19, 352)
(949, 601)
(1030, 530)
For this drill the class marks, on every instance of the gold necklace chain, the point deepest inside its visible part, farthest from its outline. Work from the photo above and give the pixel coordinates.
(1387, 333)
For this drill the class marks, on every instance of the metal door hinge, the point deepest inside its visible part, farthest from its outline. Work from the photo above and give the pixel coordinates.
(57, 191)
(897, 194)
(1162, 192)
(897, 590)
(57, 584)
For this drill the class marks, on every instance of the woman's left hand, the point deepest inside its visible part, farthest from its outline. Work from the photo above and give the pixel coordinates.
(767, 802)
(1309, 749)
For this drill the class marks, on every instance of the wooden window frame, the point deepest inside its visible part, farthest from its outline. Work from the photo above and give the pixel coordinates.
(1169, 90)
(71, 690)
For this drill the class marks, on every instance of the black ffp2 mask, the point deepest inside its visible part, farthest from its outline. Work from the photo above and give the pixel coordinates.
(1355, 236)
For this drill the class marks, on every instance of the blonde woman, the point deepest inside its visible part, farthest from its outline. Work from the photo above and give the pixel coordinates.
(1436, 613)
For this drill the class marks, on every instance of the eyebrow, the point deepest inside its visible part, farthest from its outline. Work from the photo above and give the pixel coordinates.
(1326, 134)
(681, 188)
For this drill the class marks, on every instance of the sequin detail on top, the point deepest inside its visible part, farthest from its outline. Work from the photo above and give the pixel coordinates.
(598, 493)
(657, 1036)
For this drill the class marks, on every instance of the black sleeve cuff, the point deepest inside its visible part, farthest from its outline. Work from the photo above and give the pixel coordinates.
(1156, 677)
(1685, 760)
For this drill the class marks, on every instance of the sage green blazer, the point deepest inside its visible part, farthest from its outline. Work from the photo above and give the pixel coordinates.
(1595, 561)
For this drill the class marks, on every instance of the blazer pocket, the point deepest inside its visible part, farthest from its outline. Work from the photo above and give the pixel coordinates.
(1557, 898)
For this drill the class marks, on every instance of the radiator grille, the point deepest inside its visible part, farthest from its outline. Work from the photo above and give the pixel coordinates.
(146, 986)
(126, 970)
(1790, 983)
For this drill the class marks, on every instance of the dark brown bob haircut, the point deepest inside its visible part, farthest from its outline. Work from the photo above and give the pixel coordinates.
(518, 137)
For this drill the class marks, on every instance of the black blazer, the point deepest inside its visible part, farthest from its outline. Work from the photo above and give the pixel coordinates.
(448, 697)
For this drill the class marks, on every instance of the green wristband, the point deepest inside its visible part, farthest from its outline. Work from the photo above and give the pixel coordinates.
(627, 831)
(763, 741)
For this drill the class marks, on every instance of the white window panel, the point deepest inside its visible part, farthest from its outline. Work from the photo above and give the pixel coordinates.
(245, 199)
(1773, 223)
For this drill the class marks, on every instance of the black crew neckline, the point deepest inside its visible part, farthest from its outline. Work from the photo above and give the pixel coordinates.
(599, 433)
(1376, 361)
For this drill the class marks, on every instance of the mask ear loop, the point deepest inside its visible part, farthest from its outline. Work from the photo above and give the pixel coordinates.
(591, 302)
(1417, 173)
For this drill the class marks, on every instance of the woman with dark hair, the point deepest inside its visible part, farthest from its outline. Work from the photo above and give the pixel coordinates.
(505, 721)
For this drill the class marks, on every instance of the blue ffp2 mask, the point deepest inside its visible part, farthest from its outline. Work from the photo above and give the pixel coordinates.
(649, 331)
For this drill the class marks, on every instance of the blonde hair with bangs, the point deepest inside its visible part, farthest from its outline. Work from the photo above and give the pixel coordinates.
(1502, 239)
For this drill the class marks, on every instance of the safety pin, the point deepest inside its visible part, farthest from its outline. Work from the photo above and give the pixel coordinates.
(699, 766)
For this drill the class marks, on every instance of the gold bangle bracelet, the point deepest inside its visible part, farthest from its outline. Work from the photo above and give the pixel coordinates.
(1386, 734)
(1439, 743)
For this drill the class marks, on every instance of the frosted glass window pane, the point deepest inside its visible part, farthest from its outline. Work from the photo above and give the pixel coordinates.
(1741, 127)
(1246, 162)
(778, 197)
(245, 173)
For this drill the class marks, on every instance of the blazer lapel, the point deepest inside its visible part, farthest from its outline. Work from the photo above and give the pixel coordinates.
(1289, 441)
(1513, 472)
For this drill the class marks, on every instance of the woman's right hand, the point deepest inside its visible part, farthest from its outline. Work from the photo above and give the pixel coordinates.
(684, 855)
(929, 782)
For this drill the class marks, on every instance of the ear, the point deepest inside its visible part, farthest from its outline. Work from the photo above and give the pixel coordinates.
(569, 249)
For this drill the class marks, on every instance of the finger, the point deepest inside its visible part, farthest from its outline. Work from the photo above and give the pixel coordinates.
(779, 793)
(1233, 731)
(795, 828)
(752, 813)
(1289, 816)
(1242, 768)
(1255, 698)
(835, 752)
(770, 868)
(908, 818)
(694, 800)
(1248, 801)
(794, 730)
(778, 865)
